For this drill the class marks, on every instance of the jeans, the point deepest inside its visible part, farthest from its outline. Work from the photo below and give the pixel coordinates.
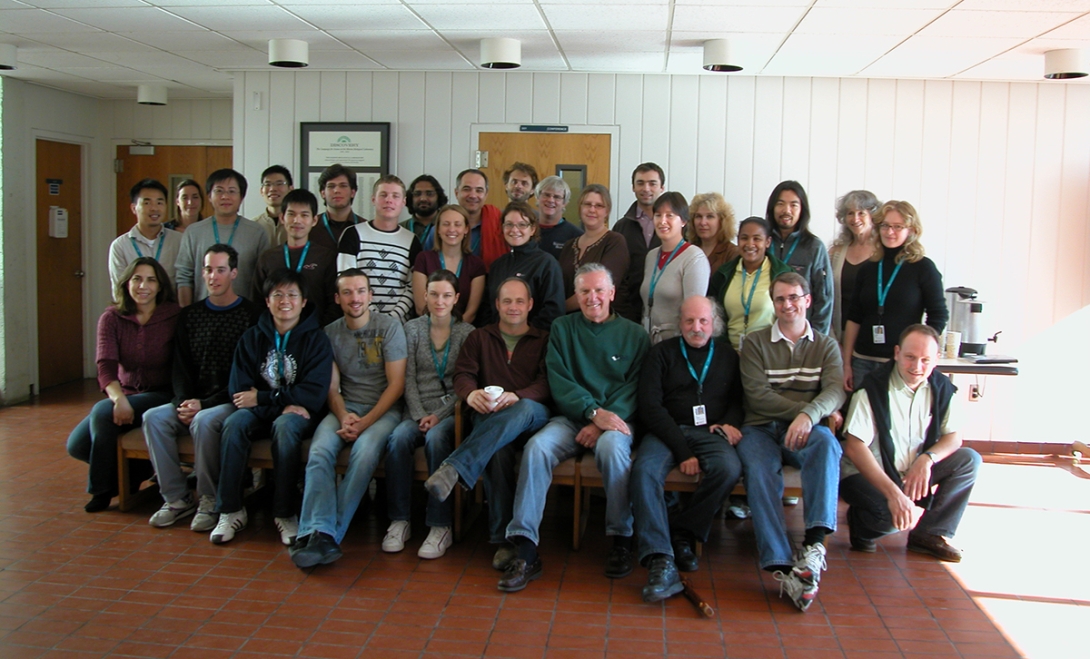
(94, 440)
(438, 443)
(484, 449)
(763, 455)
(721, 469)
(328, 507)
(552, 445)
(239, 432)
(868, 514)
(162, 430)
(860, 369)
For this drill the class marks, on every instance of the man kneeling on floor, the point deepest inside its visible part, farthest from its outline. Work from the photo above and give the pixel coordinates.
(279, 381)
(900, 443)
(594, 368)
(369, 353)
(508, 355)
(692, 422)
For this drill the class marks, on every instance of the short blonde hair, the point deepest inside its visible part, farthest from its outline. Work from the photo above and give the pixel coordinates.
(714, 202)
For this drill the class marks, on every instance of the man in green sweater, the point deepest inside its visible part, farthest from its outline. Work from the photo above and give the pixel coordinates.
(791, 376)
(593, 362)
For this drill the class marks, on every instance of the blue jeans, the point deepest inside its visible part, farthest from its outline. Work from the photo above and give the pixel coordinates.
(94, 440)
(860, 369)
(868, 513)
(328, 507)
(162, 428)
(552, 445)
(438, 443)
(763, 456)
(239, 432)
(654, 460)
(487, 447)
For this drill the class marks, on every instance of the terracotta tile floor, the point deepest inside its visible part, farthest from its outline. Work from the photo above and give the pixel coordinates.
(76, 585)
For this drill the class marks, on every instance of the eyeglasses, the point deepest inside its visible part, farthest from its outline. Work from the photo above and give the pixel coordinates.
(595, 206)
(274, 184)
(784, 299)
(521, 226)
(278, 296)
(225, 191)
(895, 228)
(552, 196)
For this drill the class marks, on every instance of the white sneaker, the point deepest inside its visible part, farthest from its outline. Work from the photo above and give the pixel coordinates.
(810, 562)
(228, 525)
(437, 542)
(172, 511)
(396, 536)
(802, 592)
(289, 528)
(205, 519)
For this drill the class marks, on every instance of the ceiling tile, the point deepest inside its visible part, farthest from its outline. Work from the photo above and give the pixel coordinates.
(865, 21)
(186, 40)
(389, 39)
(1078, 29)
(1027, 5)
(613, 40)
(996, 24)
(242, 18)
(1009, 66)
(736, 19)
(375, 17)
(480, 16)
(227, 59)
(824, 55)
(601, 60)
(938, 57)
(127, 20)
(260, 38)
(421, 59)
(89, 42)
(213, 3)
(55, 58)
(37, 20)
(58, 4)
(606, 17)
(884, 4)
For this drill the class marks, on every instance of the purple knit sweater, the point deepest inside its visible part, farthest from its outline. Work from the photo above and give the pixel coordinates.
(138, 356)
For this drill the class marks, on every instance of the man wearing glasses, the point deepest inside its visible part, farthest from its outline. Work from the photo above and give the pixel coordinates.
(275, 183)
(793, 379)
(226, 189)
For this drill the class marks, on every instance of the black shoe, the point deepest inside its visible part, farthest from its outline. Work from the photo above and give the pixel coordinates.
(684, 557)
(320, 549)
(98, 503)
(619, 562)
(663, 580)
(519, 574)
(859, 544)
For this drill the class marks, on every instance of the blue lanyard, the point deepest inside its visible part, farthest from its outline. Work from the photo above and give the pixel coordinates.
(440, 368)
(162, 237)
(792, 250)
(443, 264)
(704, 372)
(747, 303)
(280, 354)
(216, 230)
(325, 222)
(287, 258)
(427, 235)
(475, 243)
(883, 292)
(657, 274)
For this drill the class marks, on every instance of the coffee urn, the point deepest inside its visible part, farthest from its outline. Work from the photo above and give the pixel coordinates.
(967, 317)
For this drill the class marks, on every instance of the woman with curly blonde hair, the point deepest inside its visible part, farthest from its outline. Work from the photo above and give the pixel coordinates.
(895, 289)
(711, 228)
(854, 246)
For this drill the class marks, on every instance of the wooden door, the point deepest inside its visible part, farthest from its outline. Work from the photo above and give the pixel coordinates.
(60, 268)
(545, 151)
(169, 165)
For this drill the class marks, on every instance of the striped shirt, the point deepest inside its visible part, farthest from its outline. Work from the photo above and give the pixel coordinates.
(387, 258)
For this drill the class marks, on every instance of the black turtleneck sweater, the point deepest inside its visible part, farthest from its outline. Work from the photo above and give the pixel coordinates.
(916, 291)
(542, 271)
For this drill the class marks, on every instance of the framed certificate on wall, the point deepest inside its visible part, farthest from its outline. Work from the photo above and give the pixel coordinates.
(362, 146)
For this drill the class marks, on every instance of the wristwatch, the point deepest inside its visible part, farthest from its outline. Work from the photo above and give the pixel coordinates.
(593, 412)
(931, 455)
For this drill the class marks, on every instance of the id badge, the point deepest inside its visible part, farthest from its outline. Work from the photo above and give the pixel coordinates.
(879, 332)
(700, 415)
(741, 342)
(446, 399)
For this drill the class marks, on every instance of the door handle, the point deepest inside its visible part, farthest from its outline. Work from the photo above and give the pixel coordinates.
(78, 273)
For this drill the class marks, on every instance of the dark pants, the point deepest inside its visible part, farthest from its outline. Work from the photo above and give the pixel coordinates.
(868, 513)
(239, 432)
(721, 469)
(94, 440)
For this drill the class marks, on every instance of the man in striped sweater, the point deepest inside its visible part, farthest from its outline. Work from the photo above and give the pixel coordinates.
(790, 375)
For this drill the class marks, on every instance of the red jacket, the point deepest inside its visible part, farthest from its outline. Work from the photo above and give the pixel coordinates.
(493, 246)
(483, 362)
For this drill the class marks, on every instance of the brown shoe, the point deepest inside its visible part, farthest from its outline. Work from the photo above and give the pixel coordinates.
(934, 545)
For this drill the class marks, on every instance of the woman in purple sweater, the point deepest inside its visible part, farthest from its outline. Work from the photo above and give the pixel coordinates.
(135, 350)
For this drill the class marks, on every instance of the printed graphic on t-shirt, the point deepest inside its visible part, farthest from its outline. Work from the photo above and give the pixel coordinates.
(272, 368)
(368, 347)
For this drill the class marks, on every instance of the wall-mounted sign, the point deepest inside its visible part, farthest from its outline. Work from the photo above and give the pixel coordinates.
(533, 128)
(363, 147)
(54, 185)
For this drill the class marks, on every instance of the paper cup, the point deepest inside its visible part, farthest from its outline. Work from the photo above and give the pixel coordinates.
(953, 345)
(494, 392)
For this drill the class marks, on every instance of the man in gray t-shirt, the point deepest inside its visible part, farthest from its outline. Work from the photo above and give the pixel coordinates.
(369, 354)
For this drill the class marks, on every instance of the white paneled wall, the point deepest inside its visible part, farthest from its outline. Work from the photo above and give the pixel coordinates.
(205, 120)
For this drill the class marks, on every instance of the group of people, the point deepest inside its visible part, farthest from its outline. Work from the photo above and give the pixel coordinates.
(674, 339)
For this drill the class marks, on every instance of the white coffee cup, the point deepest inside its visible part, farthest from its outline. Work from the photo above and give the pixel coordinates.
(953, 345)
(493, 393)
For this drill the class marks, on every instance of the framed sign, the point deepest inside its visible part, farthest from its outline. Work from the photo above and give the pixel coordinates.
(362, 146)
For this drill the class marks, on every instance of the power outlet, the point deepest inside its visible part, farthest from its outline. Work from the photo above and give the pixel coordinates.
(975, 392)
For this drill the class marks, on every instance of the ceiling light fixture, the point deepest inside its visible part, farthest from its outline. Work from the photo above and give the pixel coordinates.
(717, 56)
(8, 56)
(1066, 63)
(151, 95)
(501, 53)
(289, 53)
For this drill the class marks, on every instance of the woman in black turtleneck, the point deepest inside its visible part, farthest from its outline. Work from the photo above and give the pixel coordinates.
(892, 291)
(526, 261)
